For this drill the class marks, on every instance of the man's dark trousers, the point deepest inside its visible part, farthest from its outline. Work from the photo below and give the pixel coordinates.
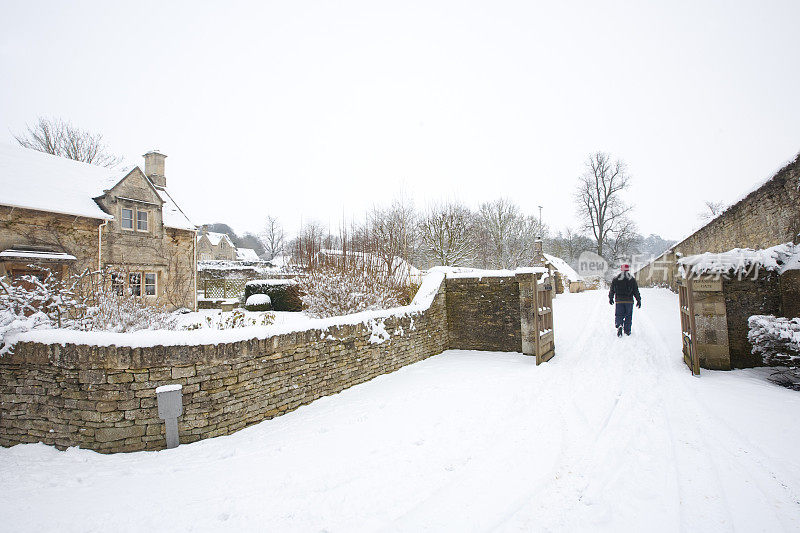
(623, 317)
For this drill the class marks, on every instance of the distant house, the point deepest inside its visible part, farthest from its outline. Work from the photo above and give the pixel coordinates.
(246, 254)
(212, 246)
(68, 216)
(567, 280)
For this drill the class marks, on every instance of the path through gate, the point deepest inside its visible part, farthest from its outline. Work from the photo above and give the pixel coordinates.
(688, 328)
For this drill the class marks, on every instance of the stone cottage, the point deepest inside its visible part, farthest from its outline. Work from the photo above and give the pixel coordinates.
(212, 246)
(69, 216)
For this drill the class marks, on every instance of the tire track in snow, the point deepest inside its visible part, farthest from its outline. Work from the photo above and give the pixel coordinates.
(753, 470)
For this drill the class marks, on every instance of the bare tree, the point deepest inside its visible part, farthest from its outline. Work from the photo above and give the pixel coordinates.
(58, 137)
(505, 236)
(272, 237)
(446, 233)
(711, 210)
(391, 233)
(625, 242)
(598, 198)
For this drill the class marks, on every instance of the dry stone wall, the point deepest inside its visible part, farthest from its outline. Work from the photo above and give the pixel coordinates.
(103, 398)
(483, 314)
(766, 217)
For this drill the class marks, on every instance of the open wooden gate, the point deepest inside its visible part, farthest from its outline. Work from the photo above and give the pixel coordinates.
(688, 328)
(543, 319)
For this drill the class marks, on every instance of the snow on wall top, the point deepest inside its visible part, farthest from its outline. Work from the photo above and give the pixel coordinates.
(740, 260)
(35, 180)
(246, 254)
(148, 338)
(563, 267)
(465, 272)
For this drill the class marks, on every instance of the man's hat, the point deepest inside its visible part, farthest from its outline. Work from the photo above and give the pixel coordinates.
(626, 267)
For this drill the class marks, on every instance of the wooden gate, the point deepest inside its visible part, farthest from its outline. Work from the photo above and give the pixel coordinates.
(688, 328)
(543, 319)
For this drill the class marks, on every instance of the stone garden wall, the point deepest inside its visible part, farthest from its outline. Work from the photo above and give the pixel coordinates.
(483, 314)
(744, 298)
(103, 397)
(766, 217)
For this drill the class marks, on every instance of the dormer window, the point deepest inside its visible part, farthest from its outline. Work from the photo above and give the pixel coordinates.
(141, 221)
(126, 218)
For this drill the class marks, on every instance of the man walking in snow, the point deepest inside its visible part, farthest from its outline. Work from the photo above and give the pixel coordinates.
(625, 289)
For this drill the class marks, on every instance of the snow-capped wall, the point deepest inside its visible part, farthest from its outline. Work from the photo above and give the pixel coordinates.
(763, 217)
(98, 391)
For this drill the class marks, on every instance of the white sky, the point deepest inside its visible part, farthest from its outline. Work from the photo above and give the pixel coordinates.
(324, 108)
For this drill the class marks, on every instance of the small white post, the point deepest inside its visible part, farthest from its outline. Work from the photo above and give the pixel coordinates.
(170, 407)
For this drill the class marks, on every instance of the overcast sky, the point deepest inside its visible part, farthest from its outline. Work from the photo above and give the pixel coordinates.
(322, 109)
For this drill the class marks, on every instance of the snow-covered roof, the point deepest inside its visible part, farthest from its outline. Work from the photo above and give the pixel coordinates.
(246, 254)
(215, 238)
(35, 255)
(172, 215)
(563, 267)
(34, 180)
(738, 260)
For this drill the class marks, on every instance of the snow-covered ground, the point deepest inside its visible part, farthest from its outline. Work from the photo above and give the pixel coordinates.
(611, 435)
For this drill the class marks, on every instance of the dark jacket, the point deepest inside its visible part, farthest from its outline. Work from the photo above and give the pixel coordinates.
(624, 287)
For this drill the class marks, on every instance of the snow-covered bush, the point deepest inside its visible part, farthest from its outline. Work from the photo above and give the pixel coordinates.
(258, 302)
(87, 302)
(777, 339)
(329, 290)
(33, 303)
(124, 312)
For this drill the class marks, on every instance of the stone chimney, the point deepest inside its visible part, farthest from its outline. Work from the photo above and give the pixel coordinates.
(204, 231)
(154, 167)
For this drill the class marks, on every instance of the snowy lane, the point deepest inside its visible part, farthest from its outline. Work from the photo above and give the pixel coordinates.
(611, 435)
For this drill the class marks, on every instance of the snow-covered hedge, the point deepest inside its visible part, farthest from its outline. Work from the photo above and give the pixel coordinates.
(283, 293)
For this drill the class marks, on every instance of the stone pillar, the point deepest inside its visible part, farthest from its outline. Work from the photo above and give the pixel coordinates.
(527, 296)
(711, 323)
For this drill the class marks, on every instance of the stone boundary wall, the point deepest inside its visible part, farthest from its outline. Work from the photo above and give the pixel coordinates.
(766, 217)
(484, 314)
(103, 398)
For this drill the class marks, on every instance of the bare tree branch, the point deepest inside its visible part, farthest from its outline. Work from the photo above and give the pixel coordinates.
(58, 137)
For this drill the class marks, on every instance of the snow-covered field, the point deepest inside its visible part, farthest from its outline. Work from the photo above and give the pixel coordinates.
(612, 435)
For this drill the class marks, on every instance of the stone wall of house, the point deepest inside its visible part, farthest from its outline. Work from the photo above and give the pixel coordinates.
(25, 228)
(103, 398)
(484, 314)
(744, 298)
(766, 217)
(166, 251)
